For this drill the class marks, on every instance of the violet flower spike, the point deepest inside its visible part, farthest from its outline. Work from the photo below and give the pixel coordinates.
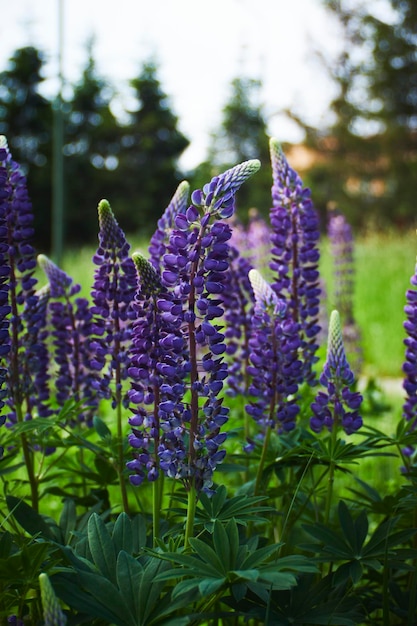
(294, 238)
(238, 303)
(72, 326)
(18, 301)
(113, 292)
(410, 363)
(156, 372)
(5, 307)
(275, 367)
(338, 406)
(166, 223)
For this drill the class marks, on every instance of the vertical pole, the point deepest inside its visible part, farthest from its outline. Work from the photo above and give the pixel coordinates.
(57, 152)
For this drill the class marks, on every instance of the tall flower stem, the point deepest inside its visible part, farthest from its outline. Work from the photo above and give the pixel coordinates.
(191, 508)
(120, 465)
(29, 463)
(262, 460)
(157, 495)
(332, 467)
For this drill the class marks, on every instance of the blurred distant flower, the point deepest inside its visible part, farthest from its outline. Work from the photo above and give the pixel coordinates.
(295, 253)
(342, 246)
(338, 406)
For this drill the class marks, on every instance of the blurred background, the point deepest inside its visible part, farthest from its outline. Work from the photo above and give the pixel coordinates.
(123, 100)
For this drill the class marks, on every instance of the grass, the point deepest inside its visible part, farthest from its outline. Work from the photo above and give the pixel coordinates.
(384, 264)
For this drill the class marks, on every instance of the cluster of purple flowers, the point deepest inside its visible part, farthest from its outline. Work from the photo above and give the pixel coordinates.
(338, 406)
(159, 240)
(178, 364)
(4, 277)
(295, 254)
(273, 350)
(20, 318)
(71, 327)
(410, 364)
(114, 288)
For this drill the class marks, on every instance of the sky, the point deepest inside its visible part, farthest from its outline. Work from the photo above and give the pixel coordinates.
(200, 46)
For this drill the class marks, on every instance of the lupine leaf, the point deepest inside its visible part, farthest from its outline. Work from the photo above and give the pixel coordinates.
(68, 519)
(222, 546)
(129, 573)
(138, 533)
(101, 427)
(102, 548)
(122, 535)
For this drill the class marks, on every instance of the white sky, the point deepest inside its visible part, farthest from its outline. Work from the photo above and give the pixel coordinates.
(201, 45)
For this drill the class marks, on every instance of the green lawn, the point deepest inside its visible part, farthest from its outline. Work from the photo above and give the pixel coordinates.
(384, 264)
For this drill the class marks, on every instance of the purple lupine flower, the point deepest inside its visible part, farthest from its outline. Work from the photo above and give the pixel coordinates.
(5, 308)
(410, 364)
(71, 322)
(52, 612)
(160, 238)
(338, 406)
(341, 244)
(25, 326)
(275, 366)
(157, 379)
(114, 288)
(295, 254)
(191, 369)
(238, 303)
(13, 620)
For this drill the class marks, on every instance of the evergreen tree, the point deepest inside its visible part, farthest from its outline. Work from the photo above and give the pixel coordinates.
(242, 135)
(26, 120)
(151, 144)
(92, 145)
(368, 155)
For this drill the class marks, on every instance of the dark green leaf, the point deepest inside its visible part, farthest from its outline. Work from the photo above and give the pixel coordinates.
(101, 547)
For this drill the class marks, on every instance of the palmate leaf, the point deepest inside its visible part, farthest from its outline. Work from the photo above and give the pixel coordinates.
(101, 547)
(243, 509)
(221, 561)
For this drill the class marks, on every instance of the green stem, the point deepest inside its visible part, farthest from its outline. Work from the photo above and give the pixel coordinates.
(29, 462)
(120, 464)
(189, 527)
(262, 460)
(157, 491)
(332, 464)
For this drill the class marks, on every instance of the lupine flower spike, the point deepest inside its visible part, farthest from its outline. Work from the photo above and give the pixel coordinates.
(52, 612)
(295, 234)
(338, 406)
(71, 322)
(184, 362)
(341, 243)
(114, 288)
(5, 307)
(166, 223)
(275, 368)
(410, 364)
